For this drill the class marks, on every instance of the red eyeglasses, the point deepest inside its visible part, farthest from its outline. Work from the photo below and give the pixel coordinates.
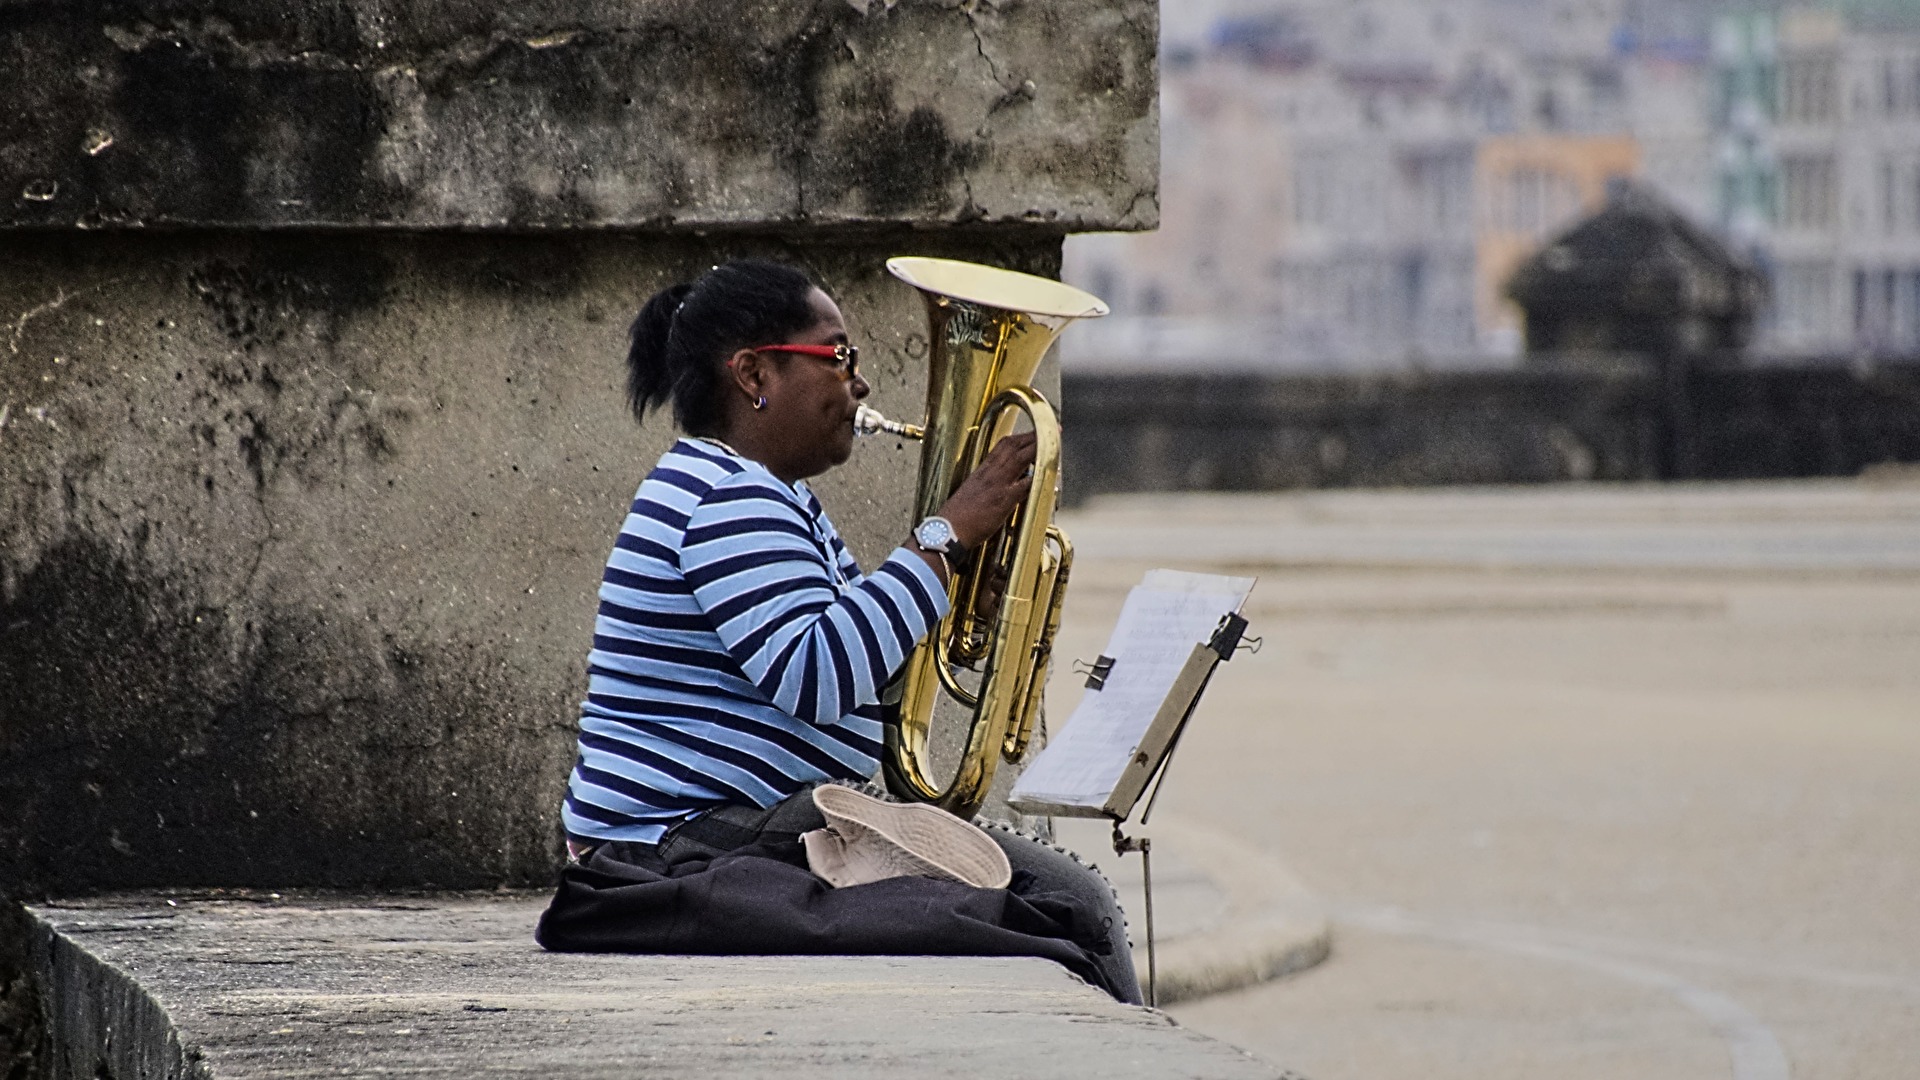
(846, 358)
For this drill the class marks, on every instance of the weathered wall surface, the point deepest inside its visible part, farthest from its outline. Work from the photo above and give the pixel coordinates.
(1241, 432)
(311, 313)
(652, 114)
(311, 437)
(299, 537)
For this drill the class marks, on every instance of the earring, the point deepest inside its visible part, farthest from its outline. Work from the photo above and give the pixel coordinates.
(761, 403)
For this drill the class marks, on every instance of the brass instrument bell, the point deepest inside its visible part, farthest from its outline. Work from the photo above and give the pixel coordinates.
(989, 330)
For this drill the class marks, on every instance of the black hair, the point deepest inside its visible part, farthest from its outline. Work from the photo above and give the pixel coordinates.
(683, 336)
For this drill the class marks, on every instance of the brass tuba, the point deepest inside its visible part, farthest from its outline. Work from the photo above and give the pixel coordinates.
(990, 328)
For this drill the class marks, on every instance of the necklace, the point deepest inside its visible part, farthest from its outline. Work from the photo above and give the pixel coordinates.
(721, 445)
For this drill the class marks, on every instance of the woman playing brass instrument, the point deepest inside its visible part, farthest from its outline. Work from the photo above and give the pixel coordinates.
(740, 655)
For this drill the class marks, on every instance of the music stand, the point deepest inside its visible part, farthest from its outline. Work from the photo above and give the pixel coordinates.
(1148, 760)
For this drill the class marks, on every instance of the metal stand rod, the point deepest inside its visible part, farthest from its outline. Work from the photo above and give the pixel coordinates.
(1146, 872)
(1122, 843)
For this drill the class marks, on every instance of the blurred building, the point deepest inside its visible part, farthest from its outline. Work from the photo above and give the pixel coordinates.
(1532, 186)
(1346, 186)
(1819, 123)
(1639, 277)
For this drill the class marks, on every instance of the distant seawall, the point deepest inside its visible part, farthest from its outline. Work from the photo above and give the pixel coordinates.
(1239, 431)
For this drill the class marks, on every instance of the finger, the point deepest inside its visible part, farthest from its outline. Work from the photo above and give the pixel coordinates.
(1002, 471)
(1015, 455)
(1023, 442)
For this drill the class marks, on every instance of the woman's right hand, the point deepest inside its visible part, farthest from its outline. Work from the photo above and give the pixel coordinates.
(988, 497)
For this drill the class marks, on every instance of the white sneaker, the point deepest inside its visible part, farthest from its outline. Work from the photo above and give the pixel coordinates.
(869, 839)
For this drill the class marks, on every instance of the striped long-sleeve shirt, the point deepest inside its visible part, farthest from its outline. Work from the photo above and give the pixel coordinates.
(739, 653)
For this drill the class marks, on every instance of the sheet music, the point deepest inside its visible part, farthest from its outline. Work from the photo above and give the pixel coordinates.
(1164, 617)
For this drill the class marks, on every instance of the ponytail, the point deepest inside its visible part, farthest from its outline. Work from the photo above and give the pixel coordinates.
(679, 343)
(649, 380)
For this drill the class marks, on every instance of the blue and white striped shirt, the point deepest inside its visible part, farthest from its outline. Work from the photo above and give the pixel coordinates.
(738, 654)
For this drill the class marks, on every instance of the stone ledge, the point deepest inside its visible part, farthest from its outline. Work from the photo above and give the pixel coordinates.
(655, 115)
(307, 985)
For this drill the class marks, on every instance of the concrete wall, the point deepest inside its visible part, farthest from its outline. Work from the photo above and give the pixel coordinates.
(311, 317)
(1244, 432)
(299, 537)
(651, 114)
(311, 438)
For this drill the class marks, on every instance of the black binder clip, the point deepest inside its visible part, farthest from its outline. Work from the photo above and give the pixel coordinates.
(1095, 672)
(1226, 636)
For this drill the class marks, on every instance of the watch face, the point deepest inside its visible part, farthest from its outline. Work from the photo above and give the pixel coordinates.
(934, 534)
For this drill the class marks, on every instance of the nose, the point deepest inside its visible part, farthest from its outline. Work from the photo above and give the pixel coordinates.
(858, 384)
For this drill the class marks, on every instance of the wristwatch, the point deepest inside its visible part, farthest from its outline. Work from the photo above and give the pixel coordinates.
(936, 534)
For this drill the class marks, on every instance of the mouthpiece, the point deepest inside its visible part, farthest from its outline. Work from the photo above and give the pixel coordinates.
(867, 421)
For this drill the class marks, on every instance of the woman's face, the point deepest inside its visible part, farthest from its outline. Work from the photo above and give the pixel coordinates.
(812, 400)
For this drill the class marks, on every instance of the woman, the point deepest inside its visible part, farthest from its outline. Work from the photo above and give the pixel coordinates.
(740, 655)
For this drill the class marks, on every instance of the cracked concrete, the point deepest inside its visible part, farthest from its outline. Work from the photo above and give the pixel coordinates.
(980, 43)
(656, 115)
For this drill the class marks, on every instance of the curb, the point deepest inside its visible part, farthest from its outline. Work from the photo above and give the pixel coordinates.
(362, 985)
(1273, 926)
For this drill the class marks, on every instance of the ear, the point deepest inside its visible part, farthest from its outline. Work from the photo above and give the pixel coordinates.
(749, 371)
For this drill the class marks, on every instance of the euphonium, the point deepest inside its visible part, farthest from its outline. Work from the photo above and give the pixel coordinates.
(990, 328)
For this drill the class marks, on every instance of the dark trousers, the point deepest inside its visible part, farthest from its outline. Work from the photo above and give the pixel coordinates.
(1054, 869)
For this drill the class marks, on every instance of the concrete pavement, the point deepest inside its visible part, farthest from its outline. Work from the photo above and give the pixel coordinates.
(1826, 526)
(1594, 782)
(258, 986)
